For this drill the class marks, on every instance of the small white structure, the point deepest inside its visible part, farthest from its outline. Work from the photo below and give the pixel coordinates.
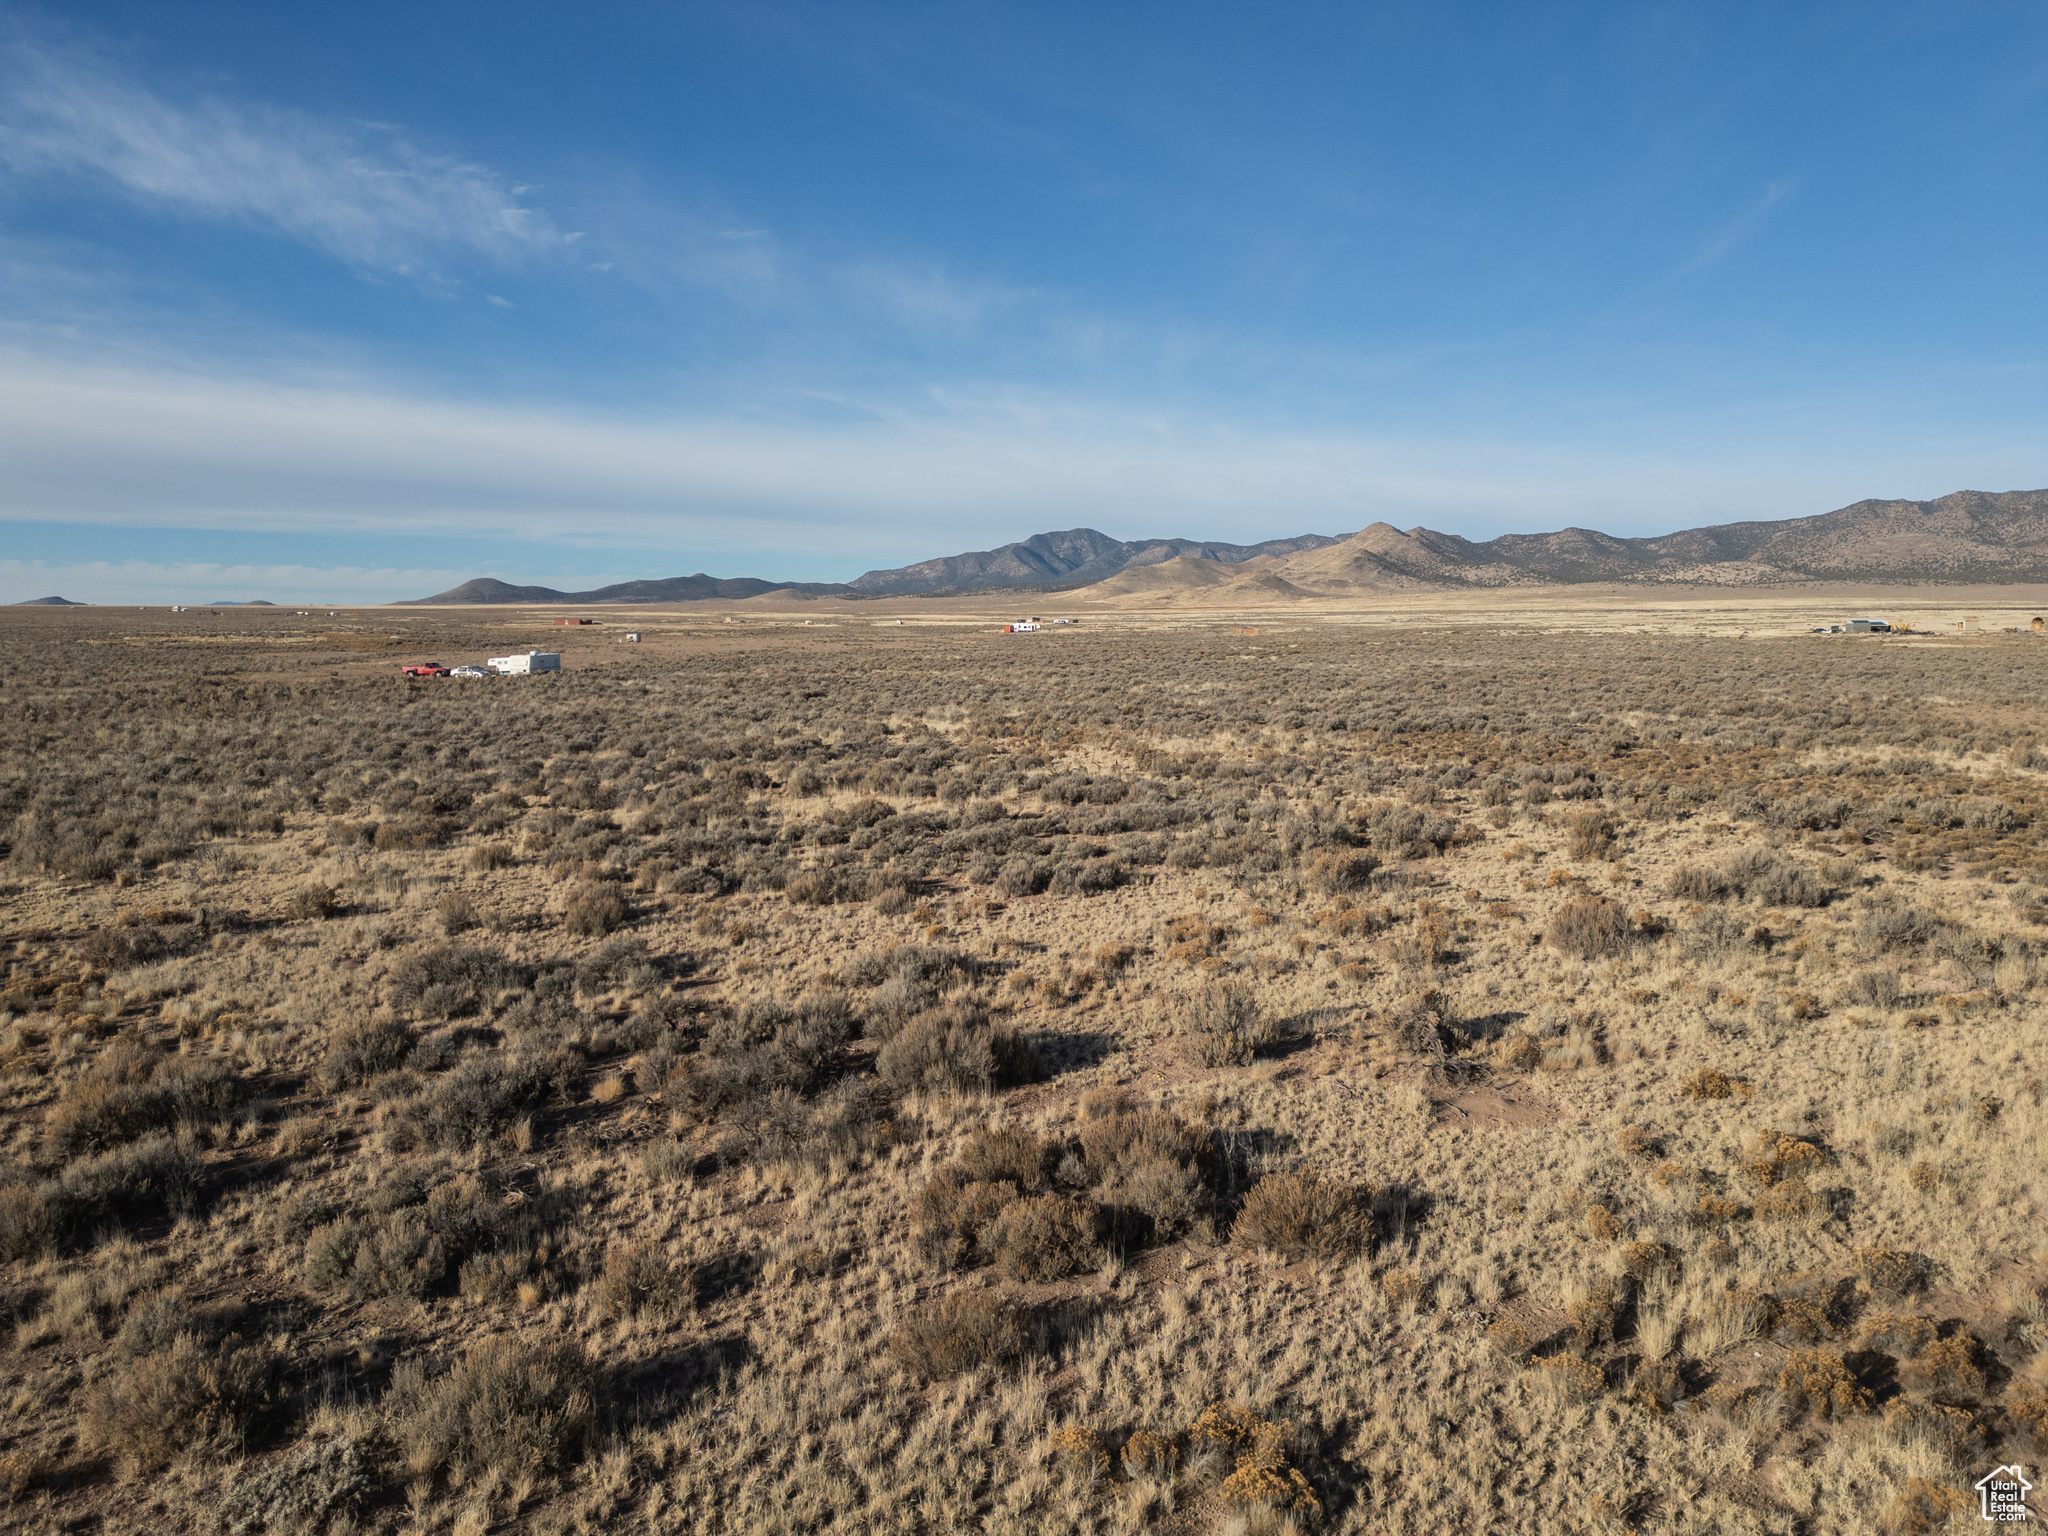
(178, 608)
(632, 637)
(527, 661)
(1028, 627)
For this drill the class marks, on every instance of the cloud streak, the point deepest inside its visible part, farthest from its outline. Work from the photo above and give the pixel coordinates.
(1739, 228)
(163, 450)
(200, 581)
(367, 195)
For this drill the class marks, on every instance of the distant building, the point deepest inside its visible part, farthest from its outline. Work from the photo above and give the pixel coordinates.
(1868, 627)
(632, 637)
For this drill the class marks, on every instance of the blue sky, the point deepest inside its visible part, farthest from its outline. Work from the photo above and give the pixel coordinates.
(346, 303)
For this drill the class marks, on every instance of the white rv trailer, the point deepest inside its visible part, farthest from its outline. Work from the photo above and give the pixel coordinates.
(527, 661)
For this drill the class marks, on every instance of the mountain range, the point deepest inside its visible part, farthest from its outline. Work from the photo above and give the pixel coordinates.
(1966, 537)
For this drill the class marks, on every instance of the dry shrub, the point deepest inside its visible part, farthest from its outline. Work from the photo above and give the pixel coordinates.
(1150, 1455)
(457, 912)
(1304, 1215)
(1900, 1333)
(1571, 1378)
(27, 1226)
(1892, 1272)
(1263, 1478)
(595, 909)
(1877, 987)
(484, 1096)
(1655, 1385)
(194, 1398)
(1637, 1141)
(312, 901)
(316, 1487)
(1641, 1260)
(1922, 1508)
(1709, 1083)
(955, 1049)
(1799, 1320)
(1689, 882)
(395, 1255)
(1787, 1200)
(452, 980)
(1511, 1339)
(1146, 1162)
(1589, 927)
(1343, 870)
(950, 1214)
(1404, 1290)
(1591, 834)
(1080, 1451)
(966, 1331)
(1958, 1429)
(1947, 1368)
(22, 1471)
(813, 888)
(358, 1052)
(1603, 1226)
(133, 1091)
(1712, 1210)
(1042, 1238)
(1774, 1156)
(1819, 1381)
(2031, 1414)
(637, 1278)
(511, 1407)
(147, 1178)
(1226, 1025)
(1592, 1317)
(992, 1155)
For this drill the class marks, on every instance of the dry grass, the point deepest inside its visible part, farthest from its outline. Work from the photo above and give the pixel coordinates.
(852, 1082)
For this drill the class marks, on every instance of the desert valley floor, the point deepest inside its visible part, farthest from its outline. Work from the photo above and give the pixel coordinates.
(1553, 1062)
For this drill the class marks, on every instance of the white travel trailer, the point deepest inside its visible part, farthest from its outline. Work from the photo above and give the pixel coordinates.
(527, 661)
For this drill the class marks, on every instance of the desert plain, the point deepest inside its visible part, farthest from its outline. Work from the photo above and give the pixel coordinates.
(1554, 1060)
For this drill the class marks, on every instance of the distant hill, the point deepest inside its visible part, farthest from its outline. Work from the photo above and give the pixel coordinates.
(236, 602)
(675, 589)
(48, 602)
(1967, 537)
(1079, 557)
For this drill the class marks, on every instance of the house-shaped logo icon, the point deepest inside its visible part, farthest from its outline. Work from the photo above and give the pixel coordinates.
(2002, 1495)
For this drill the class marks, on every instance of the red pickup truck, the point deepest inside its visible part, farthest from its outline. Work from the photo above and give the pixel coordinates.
(427, 669)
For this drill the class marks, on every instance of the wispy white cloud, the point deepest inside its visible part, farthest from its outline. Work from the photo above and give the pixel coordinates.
(199, 581)
(156, 449)
(1738, 229)
(930, 301)
(365, 193)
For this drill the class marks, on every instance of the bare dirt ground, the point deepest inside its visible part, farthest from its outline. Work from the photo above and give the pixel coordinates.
(1533, 1061)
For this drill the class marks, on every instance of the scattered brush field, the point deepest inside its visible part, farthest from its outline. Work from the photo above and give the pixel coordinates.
(885, 1081)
